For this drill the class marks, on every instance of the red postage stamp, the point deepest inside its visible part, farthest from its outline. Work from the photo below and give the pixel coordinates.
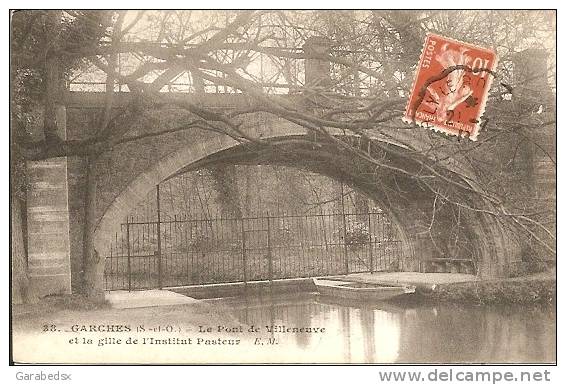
(450, 87)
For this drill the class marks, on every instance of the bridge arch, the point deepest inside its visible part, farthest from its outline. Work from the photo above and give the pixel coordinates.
(143, 183)
(487, 240)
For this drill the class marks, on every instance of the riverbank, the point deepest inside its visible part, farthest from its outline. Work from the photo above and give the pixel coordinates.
(534, 289)
(537, 289)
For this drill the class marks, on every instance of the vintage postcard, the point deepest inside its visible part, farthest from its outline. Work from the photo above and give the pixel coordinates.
(242, 187)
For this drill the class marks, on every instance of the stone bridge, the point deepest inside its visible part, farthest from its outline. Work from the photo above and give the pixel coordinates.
(127, 173)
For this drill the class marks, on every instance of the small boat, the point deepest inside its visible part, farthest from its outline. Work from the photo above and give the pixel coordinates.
(360, 291)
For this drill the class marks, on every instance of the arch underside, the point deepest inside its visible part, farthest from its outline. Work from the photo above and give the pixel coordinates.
(426, 230)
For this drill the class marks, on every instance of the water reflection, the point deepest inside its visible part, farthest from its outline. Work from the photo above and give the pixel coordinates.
(410, 333)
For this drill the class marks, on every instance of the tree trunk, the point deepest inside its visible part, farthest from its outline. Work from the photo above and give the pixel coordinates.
(248, 192)
(93, 264)
(21, 288)
(362, 206)
(20, 282)
(225, 184)
(52, 80)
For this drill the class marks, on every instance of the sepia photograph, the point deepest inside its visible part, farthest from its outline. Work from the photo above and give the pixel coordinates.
(283, 186)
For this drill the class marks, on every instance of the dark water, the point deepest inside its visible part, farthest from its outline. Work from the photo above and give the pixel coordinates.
(402, 332)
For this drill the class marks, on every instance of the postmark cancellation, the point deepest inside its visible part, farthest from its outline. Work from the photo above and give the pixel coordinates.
(451, 85)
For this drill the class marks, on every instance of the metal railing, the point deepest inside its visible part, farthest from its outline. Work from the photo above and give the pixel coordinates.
(271, 70)
(191, 251)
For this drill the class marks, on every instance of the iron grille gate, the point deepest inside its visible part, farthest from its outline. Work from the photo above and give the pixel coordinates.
(187, 251)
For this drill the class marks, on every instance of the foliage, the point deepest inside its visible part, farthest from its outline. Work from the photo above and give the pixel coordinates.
(284, 235)
(537, 289)
(357, 234)
(32, 41)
